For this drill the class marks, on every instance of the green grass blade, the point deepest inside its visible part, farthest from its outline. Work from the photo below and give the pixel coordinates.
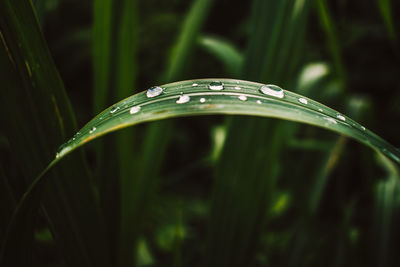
(40, 116)
(115, 67)
(231, 100)
(332, 39)
(225, 52)
(386, 13)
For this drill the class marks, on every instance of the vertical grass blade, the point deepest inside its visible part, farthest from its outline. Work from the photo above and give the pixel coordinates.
(385, 9)
(114, 62)
(39, 117)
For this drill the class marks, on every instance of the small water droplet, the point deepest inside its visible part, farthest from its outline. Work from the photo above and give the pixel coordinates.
(330, 120)
(237, 88)
(154, 91)
(183, 99)
(259, 102)
(242, 98)
(272, 90)
(202, 100)
(195, 84)
(134, 109)
(303, 101)
(341, 117)
(363, 128)
(92, 130)
(114, 109)
(217, 85)
(321, 110)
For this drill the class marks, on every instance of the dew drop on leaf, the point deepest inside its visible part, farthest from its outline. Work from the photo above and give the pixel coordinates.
(154, 91)
(202, 100)
(92, 130)
(272, 90)
(303, 101)
(217, 85)
(134, 109)
(242, 98)
(114, 109)
(183, 99)
(341, 117)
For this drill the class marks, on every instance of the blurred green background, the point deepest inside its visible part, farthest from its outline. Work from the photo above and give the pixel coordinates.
(215, 190)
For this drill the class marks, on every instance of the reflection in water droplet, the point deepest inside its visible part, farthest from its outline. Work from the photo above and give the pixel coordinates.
(272, 90)
(242, 98)
(303, 101)
(237, 87)
(217, 85)
(134, 109)
(195, 84)
(92, 130)
(341, 117)
(154, 91)
(183, 99)
(202, 100)
(114, 109)
(363, 128)
(259, 102)
(321, 110)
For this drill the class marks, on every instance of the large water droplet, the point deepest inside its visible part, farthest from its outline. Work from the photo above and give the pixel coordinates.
(341, 117)
(134, 109)
(217, 85)
(202, 100)
(154, 91)
(272, 90)
(242, 98)
(183, 99)
(195, 84)
(114, 109)
(303, 101)
(92, 130)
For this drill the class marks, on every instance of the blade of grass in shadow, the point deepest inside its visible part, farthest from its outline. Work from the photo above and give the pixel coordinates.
(332, 40)
(225, 52)
(115, 42)
(386, 13)
(158, 135)
(275, 25)
(386, 215)
(209, 97)
(39, 117)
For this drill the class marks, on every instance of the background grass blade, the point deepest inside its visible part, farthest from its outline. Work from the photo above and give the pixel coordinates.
(114, 61)
(42, 117)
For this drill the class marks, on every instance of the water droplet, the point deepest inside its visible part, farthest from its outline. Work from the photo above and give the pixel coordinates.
(114, 109)
(259, 102)
(237, 88)
(363, 128)
(202, 100)
(341, 117)
(216, 86)
(321, 110)
(183, 99)
(92, 130)
(195, 84)
(134, 109)
(330, 120)
(242, 98)
(154, 91)
(272, 90)
(303, 101)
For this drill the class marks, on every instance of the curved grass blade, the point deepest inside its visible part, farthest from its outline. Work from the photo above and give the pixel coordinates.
(223, 96)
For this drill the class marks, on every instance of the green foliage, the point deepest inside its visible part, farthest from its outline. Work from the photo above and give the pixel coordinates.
(199, 190)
